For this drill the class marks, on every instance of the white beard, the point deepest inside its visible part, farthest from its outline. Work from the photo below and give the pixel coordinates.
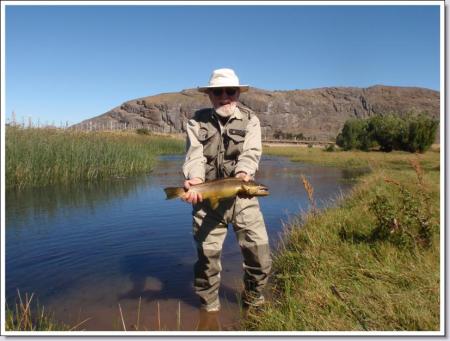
(226, 110)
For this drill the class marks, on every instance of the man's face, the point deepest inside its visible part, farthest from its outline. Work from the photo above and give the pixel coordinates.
(224, 100)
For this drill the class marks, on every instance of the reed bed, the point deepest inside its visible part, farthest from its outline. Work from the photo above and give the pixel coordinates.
(371, 262)
(39, 157)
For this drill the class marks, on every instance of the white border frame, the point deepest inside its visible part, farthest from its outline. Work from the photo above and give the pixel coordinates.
(443, 151)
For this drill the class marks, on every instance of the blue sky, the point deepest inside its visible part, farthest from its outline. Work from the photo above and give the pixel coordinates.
(70, 63)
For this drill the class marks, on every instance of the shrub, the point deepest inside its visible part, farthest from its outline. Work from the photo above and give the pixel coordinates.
(330, 148)
(413, 133)
(421, 133)
(405, 220)
(143, 131)
(279, 135)
(388, 131)
(300, 136)
(389, 224)
(352, 134)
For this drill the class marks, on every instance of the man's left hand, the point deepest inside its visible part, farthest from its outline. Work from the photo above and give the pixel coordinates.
(244, 176)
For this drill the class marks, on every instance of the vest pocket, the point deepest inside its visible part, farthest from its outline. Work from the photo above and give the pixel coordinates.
(234, 142)
(209, 139)
(237, 135)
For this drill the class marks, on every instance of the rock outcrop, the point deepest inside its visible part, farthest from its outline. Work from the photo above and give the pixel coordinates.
(317, 113)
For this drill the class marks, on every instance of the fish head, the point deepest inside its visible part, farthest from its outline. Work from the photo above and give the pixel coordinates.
(254, 189)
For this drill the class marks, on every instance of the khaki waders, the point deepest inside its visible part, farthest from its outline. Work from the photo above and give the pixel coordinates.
(210, 229)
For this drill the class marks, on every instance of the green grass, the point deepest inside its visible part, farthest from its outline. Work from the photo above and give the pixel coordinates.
(39, 157)
(28, 315)
(354, 159)
(367, 263)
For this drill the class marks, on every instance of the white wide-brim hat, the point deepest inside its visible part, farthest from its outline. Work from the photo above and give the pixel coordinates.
(223, 78)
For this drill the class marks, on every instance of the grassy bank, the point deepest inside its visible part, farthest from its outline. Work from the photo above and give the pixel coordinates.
(356, 159)
(372, 262)
(38, 157)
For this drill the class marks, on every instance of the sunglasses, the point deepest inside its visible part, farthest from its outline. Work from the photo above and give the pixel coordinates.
(229, 91)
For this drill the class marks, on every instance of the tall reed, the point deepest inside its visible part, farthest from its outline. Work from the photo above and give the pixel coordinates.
(38, 157)
(28, 315)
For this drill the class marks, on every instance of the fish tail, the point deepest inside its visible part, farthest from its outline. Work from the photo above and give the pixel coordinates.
(173, 192)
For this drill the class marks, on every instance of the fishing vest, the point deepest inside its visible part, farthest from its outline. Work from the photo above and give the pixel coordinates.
(221, 150)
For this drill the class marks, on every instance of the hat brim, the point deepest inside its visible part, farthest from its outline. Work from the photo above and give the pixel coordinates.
(242, 88)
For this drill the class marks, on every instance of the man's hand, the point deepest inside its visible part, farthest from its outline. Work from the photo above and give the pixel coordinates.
(244, 176)
(189, 196)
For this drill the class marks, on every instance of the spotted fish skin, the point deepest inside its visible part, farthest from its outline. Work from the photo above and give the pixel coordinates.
(217, 190)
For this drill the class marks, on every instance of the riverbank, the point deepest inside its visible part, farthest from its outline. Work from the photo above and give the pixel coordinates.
(339, 270)
(39, 156)
(371, 262)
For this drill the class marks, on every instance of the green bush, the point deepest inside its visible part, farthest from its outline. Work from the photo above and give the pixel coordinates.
(142, 131)
(279, 135)
(413, 133)
(353, 135)
(405, 220)
(388, 131)
(421, 133)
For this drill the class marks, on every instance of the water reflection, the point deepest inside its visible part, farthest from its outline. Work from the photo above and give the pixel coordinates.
(22, 205)
(84, 249)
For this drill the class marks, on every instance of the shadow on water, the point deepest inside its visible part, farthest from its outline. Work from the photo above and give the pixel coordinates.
(170, 280)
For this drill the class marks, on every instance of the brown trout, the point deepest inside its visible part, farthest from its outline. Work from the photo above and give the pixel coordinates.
(216, 190)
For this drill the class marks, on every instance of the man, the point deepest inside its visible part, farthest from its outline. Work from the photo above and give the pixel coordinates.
(224, 142)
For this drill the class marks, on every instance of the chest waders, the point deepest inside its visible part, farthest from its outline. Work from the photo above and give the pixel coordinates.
(222, 149)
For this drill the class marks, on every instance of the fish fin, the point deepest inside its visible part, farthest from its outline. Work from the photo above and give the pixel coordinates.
(214, 202)
(173, 192)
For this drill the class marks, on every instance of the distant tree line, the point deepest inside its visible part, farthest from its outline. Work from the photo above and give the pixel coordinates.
(280, 135)
(413, 133)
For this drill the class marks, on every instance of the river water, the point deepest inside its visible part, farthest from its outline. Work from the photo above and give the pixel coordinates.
(118, 247)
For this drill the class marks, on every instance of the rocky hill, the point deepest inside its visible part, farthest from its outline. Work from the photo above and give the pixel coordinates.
(318, 114)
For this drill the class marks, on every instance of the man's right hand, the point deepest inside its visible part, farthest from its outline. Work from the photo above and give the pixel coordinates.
(190, 196)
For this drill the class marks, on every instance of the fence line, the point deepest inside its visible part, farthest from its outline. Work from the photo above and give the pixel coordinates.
(126, 126)
(313, 142)
(114, 126)
(26, 123)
